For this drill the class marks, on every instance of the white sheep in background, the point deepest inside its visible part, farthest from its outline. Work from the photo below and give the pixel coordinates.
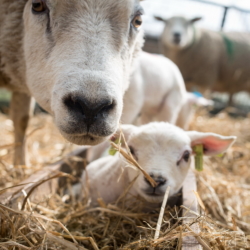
(162, 150)
(74, 57)
(208, 60)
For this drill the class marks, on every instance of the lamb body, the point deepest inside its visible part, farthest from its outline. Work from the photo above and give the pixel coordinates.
(74, 57)
(208, 60)
(193, 102)
(156, 91)
(162, 150)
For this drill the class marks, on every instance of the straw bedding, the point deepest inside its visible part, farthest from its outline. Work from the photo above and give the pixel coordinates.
(61, 222)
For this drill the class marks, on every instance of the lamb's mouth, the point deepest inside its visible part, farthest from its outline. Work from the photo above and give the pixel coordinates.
(177, 41)
(154, 193)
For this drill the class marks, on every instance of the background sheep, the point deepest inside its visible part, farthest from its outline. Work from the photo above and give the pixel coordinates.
(74, 58)
(162, 150)
(156, 91)
(208, 60)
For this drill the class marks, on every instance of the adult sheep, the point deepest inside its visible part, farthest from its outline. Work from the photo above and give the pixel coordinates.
(74, 57)
(208, 60)
(162, 150)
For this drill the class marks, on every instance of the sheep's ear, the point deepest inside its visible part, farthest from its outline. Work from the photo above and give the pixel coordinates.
(193, 20)
(127, 130)
(159, 18)
(213, 144)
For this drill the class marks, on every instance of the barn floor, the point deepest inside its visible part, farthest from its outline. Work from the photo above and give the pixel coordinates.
(224, 188)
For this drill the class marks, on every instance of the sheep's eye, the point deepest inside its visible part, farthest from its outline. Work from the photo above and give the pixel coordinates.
(137, 21)
(39, 6)
(186, 156)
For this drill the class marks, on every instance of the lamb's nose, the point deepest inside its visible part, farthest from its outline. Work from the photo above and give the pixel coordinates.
(160, 181)
(88, 110)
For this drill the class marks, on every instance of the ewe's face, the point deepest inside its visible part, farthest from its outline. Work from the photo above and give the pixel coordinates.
(178, 32)
(78, 57)
(164, 153)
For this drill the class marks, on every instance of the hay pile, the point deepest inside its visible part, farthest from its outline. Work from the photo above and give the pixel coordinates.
(224, 186)
(60, 222)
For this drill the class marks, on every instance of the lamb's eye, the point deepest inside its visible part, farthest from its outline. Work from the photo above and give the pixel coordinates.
(132, 151)
(186, 156)
(39, 6)
(137, 21)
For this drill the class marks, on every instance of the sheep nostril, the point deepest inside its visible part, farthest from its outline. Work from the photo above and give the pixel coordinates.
(72, 103)
(106, 107)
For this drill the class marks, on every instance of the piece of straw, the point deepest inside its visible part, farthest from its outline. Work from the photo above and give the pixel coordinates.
(132, 161)
(60, 174)
(198, 238)
(159, 222)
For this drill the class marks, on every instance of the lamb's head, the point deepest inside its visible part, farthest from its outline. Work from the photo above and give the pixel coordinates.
(178, 32)
(164, 152)
(78, 58)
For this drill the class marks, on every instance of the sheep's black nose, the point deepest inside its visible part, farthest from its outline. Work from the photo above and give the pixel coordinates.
(177, 37)
(160, 181)
(89, 111)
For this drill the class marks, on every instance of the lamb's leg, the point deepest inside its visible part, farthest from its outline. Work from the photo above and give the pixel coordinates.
(185, 116)
(19, 111)
(230, 100)
(171, 107)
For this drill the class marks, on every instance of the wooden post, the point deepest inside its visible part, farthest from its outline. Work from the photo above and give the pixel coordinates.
(224, 18)
(190, 201)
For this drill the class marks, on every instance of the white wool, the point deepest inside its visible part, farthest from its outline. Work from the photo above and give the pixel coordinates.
(159, 148)
(78, 56)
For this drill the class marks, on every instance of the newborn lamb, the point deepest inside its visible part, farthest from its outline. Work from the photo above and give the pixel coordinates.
(162, 150)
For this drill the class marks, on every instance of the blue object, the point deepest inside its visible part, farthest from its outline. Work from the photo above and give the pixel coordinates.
(198, 94)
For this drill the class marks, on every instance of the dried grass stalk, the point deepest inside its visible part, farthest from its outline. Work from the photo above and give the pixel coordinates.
(130, 159)
(223, 188)
(159, 222)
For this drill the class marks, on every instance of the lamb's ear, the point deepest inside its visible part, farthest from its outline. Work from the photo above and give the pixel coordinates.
(193, 20)
(127, 130)
(213, 144)
(159, 18)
